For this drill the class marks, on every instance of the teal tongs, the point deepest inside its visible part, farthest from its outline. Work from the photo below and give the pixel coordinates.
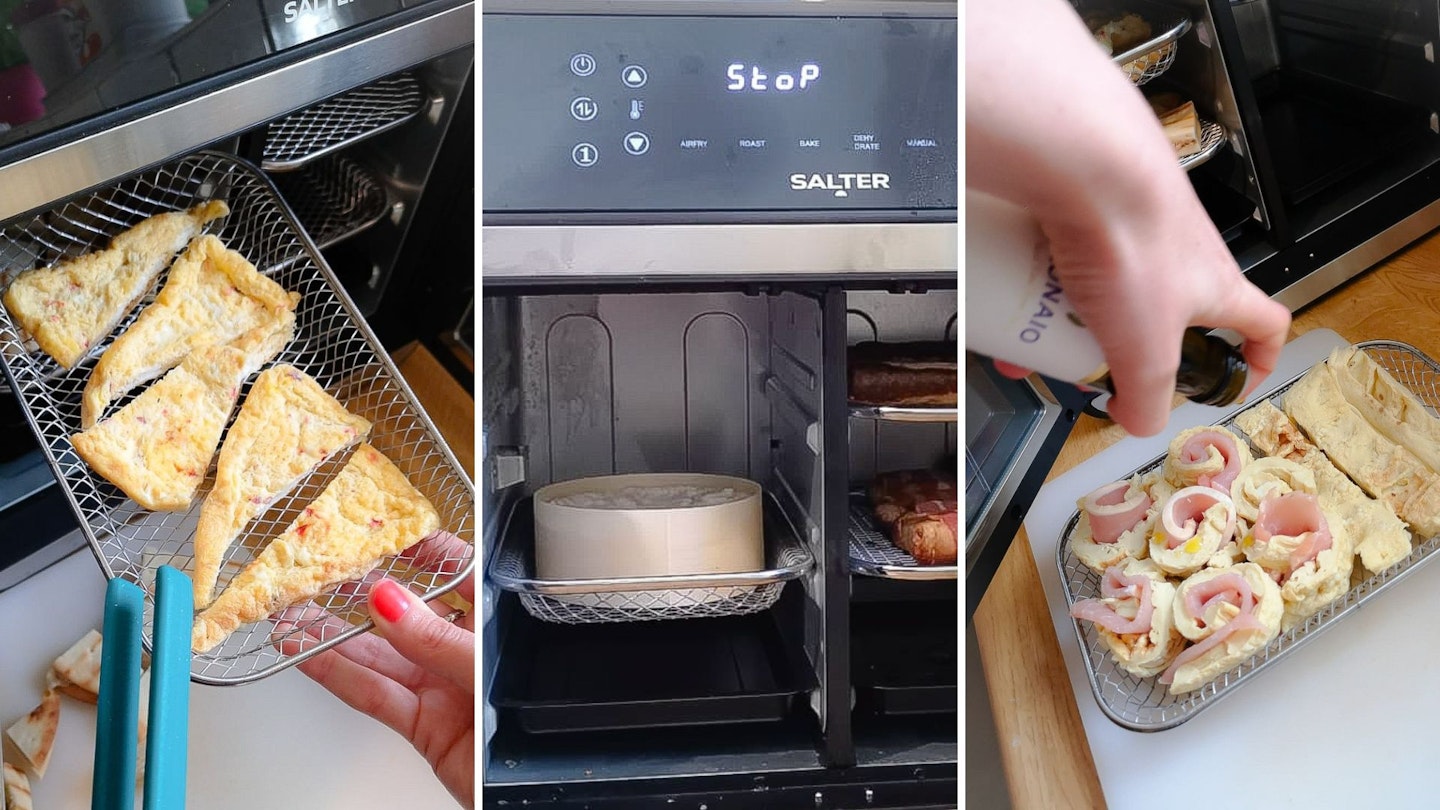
(117, 723)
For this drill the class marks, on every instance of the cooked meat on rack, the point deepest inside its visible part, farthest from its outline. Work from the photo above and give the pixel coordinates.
(286, 427)
(72, 305)
(915, 374)
(213, 296)
(920, 510)
(369, 512)
(158, 447)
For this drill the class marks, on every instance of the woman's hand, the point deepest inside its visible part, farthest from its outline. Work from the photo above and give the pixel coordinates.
(1054, 126)
(416, 672)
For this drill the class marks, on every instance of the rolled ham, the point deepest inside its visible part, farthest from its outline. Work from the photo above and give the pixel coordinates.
(1116, 585)
(1182, 515)
(1244, 620)
(1295, 515)
(1207, 457)
(1115, 509)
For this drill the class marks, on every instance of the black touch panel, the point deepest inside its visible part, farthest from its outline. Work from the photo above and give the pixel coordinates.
(594, 113)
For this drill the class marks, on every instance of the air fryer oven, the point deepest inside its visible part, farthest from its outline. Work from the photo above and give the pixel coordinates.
(359, 112)
(672, 272)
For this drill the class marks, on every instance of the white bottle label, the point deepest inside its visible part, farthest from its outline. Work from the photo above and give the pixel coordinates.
(1015, 307)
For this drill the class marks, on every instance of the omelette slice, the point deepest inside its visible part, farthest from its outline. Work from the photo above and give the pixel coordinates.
(213, 295)
(158, 447)
(70, 306)
(370, 511)
(16, 788)
(286, 427)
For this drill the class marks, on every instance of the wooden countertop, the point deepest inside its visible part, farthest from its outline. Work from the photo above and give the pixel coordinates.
(1047, 760)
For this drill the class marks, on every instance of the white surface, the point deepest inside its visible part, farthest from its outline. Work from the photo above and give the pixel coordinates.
(1347, 720)
(282, 742)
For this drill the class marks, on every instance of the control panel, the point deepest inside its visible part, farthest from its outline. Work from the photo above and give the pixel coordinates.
(718, 114)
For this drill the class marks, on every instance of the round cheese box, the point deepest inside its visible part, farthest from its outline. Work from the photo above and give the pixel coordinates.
(658, 524)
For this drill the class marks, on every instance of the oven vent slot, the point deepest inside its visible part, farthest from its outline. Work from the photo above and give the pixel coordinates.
(316, 131)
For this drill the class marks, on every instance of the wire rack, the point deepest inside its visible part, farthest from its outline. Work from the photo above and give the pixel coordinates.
(332, 344)
(330, 125)
(334, 198)
(1212, 137)
(872, 553)
(647, 598)
(1143, 704)
(895, 413)
(1154, 56)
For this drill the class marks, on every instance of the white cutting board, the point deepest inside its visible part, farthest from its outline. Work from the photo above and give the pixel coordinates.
(282, 742)
(1350, 719)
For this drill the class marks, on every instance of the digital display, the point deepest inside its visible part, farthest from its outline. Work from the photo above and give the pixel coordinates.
(631, 117)
(753, 78)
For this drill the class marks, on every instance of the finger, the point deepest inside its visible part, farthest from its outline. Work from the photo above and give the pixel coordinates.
(1011, 370)
(421, 636)
(1142, 376)
(445, 554)
(364, 690)
(366, 649)
(1263, 323)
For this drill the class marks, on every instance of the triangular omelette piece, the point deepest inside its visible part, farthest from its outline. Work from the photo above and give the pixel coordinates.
(286, 427)
(70, 306)
(158, 447)
(34, 734)
(369, 512)
(77, 671)
(16, 788)
(213, 295)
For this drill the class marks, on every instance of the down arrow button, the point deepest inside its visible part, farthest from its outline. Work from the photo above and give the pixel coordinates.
(637, 143)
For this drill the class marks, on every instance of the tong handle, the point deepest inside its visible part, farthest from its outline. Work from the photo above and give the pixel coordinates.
(168, 731)
(117, 721)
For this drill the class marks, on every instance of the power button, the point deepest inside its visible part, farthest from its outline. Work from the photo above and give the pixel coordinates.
(582, 64)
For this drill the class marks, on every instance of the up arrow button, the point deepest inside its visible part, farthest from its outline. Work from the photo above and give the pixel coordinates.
(634, 76)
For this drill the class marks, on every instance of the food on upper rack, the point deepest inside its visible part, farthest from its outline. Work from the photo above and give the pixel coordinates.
(1134, 617)
(1117, 34)
(287, 425)
(920, 508)
(70, 306)
(1229, 614)
(1387, 405)
(1265, 477)
(1378, 535)
(1193, 526)
(1384, 469)
(1115, 522)
(77, 671)
(34, 734)
(1182, 128)
(370, 511)
(158, 447)
(916, 374)
(1205, 456)
(16, 789)
(213, 295)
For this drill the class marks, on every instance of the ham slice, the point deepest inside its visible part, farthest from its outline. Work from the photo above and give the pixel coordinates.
(1185, 511)
(1295, 514)
(1197, 448)
(1113, 510)
(1117, 585)
(1230, 588)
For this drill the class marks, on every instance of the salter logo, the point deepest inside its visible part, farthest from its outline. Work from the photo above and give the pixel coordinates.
(841, 184)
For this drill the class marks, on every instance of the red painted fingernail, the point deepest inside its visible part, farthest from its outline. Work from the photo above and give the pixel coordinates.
(389, 600)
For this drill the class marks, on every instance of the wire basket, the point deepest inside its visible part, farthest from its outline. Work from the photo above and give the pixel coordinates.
(1143, 704)
(653, 598)
(1212, 137)
(331, 344)
(334, 198)
(872, 553)
(316, 131)
(1154, 56)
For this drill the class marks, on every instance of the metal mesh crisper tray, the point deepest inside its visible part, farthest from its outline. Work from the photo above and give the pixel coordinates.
(633, 599)
(1212, 137)
(331, 343)
(872, 553)
(323, 128)
(333, 198)
(1143, 704)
